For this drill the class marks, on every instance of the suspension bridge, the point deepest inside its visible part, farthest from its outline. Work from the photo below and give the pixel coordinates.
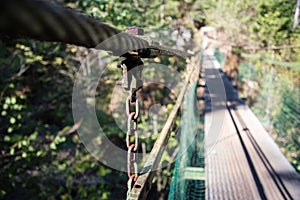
(238, 159)
(231, 157)
(245, 163)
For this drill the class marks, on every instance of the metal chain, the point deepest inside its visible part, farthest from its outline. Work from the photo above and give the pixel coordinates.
(132, 130)
(131, 82)
(132, 116)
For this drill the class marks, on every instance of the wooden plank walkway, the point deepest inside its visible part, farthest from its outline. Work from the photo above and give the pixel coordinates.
(242, 160)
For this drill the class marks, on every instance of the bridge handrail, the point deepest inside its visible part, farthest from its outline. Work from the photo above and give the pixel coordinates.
(50, 21)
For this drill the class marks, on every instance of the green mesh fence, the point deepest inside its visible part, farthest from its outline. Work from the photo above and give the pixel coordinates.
(221, 58)
(273, 94)
(271, 61)
(190, 160)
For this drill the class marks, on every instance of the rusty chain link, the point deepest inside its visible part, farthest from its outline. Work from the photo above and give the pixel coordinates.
(131, 81)
(132, 147)
(132, 116)
(128, 100)
(132, 68)
(131, 163)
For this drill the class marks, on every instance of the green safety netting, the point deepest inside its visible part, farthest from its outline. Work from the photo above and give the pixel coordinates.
(271, 61)
(191, 151)
(272, 90)
(273, 95)
(221, 58)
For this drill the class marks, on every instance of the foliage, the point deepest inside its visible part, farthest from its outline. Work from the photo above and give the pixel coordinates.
(41, 154)
(273, 24)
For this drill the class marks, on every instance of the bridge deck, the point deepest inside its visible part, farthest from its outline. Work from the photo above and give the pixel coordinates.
(242, 160)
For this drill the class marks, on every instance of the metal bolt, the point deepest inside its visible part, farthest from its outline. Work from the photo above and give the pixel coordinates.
(134, 30)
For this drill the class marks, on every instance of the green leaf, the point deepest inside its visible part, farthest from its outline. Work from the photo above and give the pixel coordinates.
(2, 193)
(12, 151)
(39, 153)
(11, 85)
(12, 120)
(3, 113)
(24, 155)
(6, 138)
(7, 100)
(13, 100)
(5, 106)
(25, 143)
(22, 96)
(105, 195)
(58, 60)
(30, 148)
(33, 136)
(170, 106)
(53, 146)
(10, 129)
